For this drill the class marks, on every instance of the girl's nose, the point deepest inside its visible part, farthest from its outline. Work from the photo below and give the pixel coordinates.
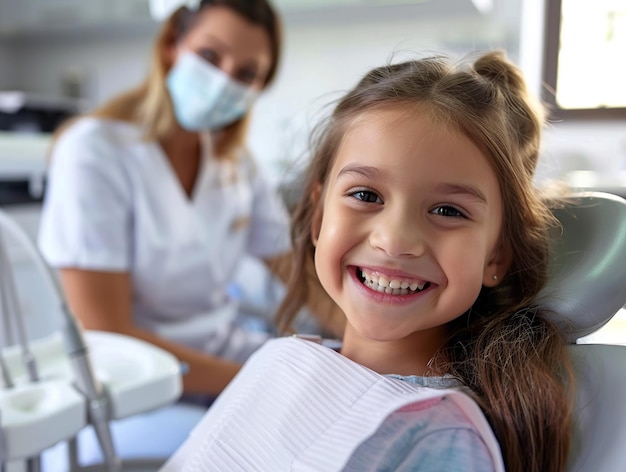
(399, 234)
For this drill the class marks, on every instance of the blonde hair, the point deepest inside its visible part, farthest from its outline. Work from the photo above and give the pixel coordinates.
(149, 105)
(505, 349)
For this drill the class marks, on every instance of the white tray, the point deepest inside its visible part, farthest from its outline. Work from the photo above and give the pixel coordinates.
(37, 416)
(137, 376)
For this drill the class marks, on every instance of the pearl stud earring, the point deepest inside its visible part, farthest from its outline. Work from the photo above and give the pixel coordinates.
(495, 277)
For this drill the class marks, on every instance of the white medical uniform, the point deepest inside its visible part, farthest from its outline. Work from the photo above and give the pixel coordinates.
(114, 203)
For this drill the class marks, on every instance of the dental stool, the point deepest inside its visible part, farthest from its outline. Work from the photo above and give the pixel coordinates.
(587, 285)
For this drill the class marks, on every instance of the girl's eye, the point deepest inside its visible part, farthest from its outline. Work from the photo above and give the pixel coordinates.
(448, 211)
(366, 196)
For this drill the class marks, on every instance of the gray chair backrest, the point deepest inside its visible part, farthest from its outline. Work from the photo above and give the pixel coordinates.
(587, 286)
(587, 273)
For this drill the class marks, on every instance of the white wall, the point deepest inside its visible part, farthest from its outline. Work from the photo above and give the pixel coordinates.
(321, 62)
(598, 146)
(324, 60)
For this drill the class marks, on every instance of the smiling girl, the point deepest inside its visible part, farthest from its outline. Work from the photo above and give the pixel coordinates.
(421, 221)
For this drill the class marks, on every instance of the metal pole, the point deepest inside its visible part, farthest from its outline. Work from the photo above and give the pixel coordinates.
(76, 347)
(9, 292)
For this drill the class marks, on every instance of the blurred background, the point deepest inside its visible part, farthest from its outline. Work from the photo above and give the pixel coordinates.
(78, 53)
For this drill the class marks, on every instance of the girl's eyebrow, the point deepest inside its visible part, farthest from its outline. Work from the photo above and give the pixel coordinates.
(365, 171)
(461, 189)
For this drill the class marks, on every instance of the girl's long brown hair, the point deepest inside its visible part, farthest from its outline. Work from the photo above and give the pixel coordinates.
(149, 104)
(505, 349)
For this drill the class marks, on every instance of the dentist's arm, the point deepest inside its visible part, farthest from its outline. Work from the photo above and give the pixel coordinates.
(103, 301)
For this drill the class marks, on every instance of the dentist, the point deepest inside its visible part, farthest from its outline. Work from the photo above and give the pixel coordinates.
(153, 199)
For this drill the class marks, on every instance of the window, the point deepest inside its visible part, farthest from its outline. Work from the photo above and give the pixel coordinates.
(585, 58)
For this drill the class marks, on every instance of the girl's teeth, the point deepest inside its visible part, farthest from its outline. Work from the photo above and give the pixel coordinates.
(395, 287)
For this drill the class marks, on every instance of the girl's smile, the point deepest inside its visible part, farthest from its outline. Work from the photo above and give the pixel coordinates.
(385, 286)
(391, 283)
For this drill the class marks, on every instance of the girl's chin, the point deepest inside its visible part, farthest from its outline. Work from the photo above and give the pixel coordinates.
(377, 330)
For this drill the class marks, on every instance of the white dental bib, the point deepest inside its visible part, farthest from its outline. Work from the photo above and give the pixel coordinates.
(297, 405)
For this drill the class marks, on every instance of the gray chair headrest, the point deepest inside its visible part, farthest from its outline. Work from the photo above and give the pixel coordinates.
(587, 271)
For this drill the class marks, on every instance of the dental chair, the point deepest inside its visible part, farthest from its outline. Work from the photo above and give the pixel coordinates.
(587, 285)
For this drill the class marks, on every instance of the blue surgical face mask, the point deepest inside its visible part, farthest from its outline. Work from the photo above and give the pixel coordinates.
(204, 97)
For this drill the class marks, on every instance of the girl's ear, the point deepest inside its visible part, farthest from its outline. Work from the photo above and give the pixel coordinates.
(316, 220)
(498, 265)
